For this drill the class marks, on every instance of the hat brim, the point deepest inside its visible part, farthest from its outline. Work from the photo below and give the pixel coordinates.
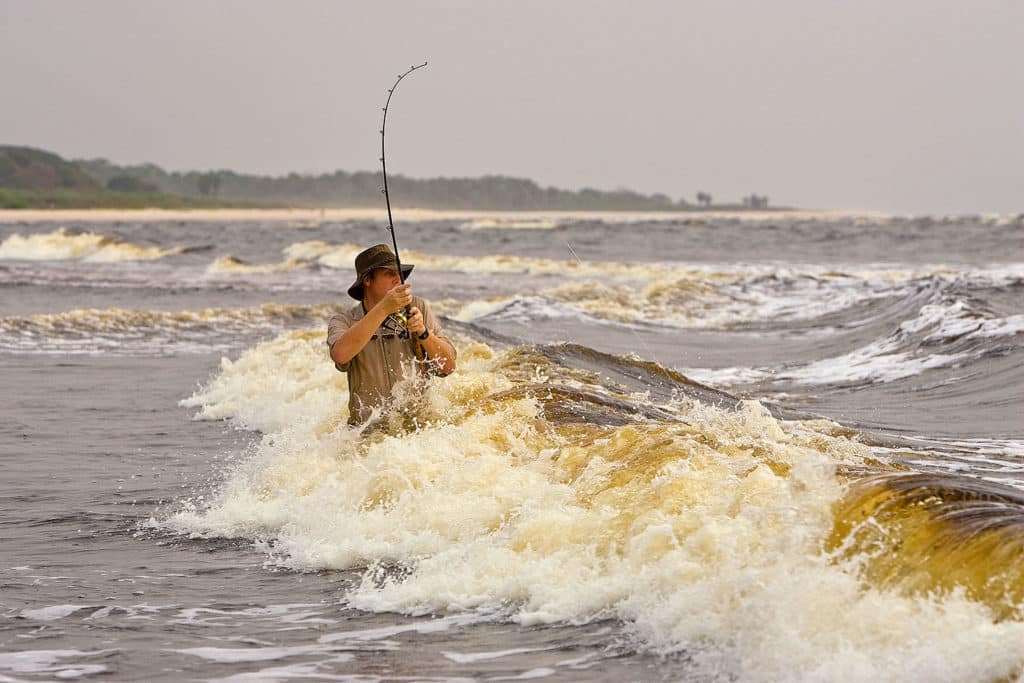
(356, 290)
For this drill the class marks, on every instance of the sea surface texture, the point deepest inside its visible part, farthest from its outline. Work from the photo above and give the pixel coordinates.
(780, 447)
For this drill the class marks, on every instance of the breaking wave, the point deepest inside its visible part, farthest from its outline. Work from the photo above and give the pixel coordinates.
(933, 323)
(343, 255)
(670, 294)
(231, 264)
(526, 223)
(561, 485)
(132, 332)
(62, 245)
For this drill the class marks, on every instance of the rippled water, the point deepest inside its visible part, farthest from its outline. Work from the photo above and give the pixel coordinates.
(783, 447)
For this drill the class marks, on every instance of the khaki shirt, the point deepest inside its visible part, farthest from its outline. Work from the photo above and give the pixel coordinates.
(385, 360)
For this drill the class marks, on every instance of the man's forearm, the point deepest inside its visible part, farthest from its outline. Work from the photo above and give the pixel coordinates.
(440, 353)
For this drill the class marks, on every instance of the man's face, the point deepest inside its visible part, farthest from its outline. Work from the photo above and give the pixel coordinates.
(380, 281)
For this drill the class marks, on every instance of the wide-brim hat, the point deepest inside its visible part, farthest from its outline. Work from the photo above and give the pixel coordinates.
(377, 256)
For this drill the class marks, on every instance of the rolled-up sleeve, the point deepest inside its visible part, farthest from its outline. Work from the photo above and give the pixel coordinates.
(337, 326)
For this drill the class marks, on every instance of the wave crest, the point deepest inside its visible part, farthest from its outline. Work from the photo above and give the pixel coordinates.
(703, 528)
(62, 245)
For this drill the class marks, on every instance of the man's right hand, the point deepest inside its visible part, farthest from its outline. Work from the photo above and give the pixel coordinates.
(397, 298)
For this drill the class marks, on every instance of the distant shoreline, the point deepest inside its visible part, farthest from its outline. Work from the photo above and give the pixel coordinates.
(37, 179)
(522, 218)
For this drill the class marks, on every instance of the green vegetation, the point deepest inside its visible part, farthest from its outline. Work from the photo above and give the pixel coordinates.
(32, 178)
(13, 198)
(33, 169)
(127, 183)
(36, 179)
(363, 189)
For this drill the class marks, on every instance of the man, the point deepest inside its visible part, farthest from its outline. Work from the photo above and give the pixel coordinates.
(369, 341)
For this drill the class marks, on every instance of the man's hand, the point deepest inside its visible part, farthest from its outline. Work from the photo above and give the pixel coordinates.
(415, 322)
(397, 298)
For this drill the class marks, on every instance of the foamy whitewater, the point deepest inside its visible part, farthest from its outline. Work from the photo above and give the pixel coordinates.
(694, 448)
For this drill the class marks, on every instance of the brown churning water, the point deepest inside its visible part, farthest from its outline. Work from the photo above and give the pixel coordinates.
(927, 533)
(782, 447)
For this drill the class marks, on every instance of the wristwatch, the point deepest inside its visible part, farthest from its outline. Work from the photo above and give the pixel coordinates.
(426, 333)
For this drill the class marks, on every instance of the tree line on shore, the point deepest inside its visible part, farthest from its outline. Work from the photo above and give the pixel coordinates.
(35, 171)
(363, 188)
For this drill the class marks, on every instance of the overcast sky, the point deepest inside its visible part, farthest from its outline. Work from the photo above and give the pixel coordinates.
(900, 105)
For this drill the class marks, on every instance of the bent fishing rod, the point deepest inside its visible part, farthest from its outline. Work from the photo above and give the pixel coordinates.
(417, 347)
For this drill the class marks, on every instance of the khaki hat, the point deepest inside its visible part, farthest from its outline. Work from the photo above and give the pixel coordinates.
(377, 256)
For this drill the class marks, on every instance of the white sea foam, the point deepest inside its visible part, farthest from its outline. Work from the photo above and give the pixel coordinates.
(879, 361)
(53, 662)
(232, 265)
(134, 332)
(53, 612)
(258, 654)
(305, 389)
(469, 657)
(537, 223)
(539, 672)
(726, 377)
(895, 357)
(898, 356)
(997, 460)
(317, 671)
(62, 245)
(385, 632)
(527, 310)
(1011, 447)
(298, 613)
(343, 256)
(702, 296)
(721, 301)
(705, 537)
(954, 320)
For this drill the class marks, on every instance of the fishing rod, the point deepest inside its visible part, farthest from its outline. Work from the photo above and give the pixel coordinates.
(384, 168)
(404, 316)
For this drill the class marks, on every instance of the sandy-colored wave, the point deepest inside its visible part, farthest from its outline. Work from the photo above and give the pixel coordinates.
(232, 265)
(63, 245)
(956, 533)
(517, 223)
(343, 256)
(145, 331)
(105, 319)
(706, 530)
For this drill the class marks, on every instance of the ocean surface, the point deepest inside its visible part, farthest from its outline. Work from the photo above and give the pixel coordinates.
(776, 447)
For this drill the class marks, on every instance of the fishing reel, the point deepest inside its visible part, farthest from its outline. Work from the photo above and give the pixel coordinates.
(401, 319)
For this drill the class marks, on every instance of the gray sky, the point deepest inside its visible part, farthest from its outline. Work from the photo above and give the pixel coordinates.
(901, 105)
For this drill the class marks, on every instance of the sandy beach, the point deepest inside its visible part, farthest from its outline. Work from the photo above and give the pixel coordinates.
(413, 214)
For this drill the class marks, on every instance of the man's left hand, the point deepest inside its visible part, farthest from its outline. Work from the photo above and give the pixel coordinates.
(415, 322)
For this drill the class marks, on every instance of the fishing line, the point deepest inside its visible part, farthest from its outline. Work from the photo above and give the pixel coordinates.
(401, 316)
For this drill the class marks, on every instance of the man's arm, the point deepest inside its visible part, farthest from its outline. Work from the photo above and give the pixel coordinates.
(357, 336)
(440, 353)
